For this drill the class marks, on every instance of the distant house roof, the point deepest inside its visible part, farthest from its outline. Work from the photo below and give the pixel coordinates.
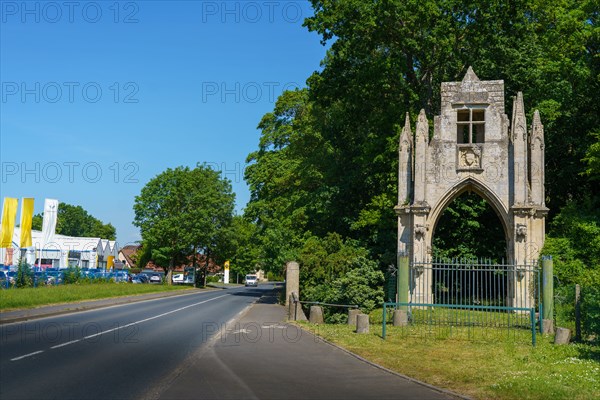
(128, 251)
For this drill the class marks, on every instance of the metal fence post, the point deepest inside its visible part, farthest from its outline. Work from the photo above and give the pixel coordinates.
(402, 278)
(384, 318)
(548, 287)
(533, 333)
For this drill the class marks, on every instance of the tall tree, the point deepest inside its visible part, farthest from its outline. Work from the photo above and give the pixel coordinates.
(182, 212)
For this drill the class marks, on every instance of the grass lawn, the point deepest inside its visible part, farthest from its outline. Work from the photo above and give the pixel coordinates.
(490, 369)
(34, 297)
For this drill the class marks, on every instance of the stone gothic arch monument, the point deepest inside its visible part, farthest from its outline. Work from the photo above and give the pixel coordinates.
(474, 148)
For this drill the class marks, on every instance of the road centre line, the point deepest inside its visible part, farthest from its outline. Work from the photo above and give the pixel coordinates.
(119, 327)
(27, 355)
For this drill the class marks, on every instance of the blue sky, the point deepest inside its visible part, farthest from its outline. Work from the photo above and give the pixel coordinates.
(99, 97)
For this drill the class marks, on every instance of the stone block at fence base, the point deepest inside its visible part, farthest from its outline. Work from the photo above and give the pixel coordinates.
(352, 313)
(316, 315)
(295, 312)
(400, 318)
(563, 336)
(548, 326)
(362, 323)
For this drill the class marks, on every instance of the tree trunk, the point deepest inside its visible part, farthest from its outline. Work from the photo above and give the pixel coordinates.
(207, 255)
(195, 264)
(170, 272)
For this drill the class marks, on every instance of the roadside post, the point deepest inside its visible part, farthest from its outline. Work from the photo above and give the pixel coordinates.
(547, 294)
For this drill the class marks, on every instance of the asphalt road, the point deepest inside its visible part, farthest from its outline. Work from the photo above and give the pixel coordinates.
(119, 352)
(263, 357)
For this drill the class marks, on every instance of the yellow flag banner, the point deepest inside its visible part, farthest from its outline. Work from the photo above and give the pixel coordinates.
(110, 262)
(9, 214)
(26, 219)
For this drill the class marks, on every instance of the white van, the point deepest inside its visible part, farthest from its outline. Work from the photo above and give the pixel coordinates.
(251, 280)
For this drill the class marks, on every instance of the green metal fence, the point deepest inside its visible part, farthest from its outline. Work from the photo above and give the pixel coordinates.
(463, 322)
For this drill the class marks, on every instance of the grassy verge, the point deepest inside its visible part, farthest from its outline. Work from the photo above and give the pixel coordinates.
(505, 369)
(34, 297)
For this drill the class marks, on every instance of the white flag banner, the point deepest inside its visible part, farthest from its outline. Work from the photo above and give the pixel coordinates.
(49, 224)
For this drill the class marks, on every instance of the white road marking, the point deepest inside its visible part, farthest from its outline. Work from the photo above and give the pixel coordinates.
(27, 355)
(65, 344)
(119, 327)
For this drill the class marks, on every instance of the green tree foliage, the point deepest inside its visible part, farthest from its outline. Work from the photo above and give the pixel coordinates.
(75, 221)
(183, 212)
(239, 243)
(339, 272)
(285, 185)
(574, 244)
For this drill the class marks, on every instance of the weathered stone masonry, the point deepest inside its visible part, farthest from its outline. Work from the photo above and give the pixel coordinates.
(474, 148)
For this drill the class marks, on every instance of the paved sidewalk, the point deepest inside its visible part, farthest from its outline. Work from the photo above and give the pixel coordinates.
(262, 357)
(7, 317)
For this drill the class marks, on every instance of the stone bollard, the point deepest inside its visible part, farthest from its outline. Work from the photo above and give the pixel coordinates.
(400, 318)
(362, 323)
(352, 313)
(563, 336)
(316, 315)
(295, 312)
(548, 326)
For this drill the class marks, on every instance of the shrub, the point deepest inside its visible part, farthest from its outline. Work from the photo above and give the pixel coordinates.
(24, 275)
(72, 275)
(361, 285)
(590, 303)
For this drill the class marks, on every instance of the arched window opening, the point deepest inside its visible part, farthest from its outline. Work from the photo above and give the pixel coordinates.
(469, 248)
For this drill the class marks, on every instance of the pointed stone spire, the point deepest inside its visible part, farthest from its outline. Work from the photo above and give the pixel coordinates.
(519, 123)
(537, 129)
(470, 76)
(405, 164)
(422, 128)
(406, 137)
(537, 168)
(520, 159)
(421, 150)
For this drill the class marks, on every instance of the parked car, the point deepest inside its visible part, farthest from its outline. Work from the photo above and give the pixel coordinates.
(188, 279)
(143, 277)
(177, 278)
(155, 278)
(251, 280)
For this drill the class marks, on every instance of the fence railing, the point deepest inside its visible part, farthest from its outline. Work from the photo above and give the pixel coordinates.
(475, 282)
(450, 320)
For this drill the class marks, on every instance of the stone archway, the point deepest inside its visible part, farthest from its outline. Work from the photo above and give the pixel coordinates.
(474, 186)
(474, 146)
